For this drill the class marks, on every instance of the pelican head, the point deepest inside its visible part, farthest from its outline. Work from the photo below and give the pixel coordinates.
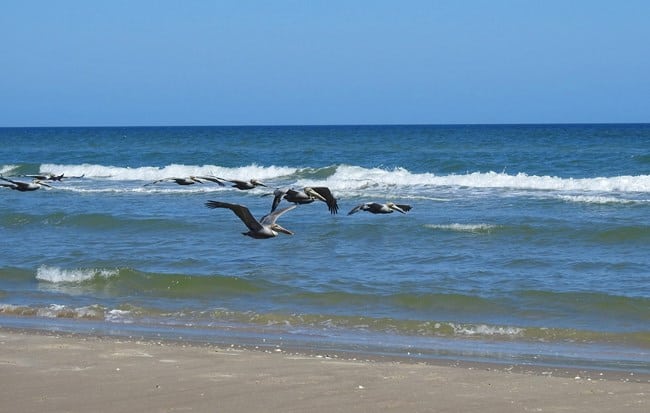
(255, 182)
(277, 228)
(394, 207)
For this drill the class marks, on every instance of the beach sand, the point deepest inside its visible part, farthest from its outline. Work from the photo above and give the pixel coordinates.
(74, 373)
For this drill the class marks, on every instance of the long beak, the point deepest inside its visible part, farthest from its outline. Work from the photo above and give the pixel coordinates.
(398, 209)
(283, 230)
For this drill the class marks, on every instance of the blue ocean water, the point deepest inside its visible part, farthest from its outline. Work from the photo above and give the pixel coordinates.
(525, 244)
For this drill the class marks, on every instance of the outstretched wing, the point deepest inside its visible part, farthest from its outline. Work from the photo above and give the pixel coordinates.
(357, 209)
(325, 193)
(241, 211)
(212, 179)
(273, 216)
(277, 198)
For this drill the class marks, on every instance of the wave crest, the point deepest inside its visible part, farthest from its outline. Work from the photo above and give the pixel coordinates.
(59, 275)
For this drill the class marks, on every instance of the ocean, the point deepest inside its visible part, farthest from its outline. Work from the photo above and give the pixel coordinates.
(525, 244)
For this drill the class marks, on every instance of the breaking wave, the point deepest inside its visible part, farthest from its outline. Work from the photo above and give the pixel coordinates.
(350, 178)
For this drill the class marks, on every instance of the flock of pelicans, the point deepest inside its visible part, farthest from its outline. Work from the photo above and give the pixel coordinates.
(265, 227)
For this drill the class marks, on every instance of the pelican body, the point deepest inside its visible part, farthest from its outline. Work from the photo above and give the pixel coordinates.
(46, 177)
(377, 208)
(190, 180)
(23, 186)
(244, 185)
(306, 196)
(264, 228)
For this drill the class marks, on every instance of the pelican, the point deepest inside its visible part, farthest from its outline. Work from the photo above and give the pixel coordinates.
(377, 208)
(244, 185)
(306, 196)
(190, 180)
(46, 177)
(23, 186)
(264, 228)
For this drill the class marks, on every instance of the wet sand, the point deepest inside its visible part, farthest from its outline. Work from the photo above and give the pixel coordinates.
(73, 373)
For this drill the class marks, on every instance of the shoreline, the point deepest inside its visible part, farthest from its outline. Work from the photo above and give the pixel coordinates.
(77, 372)
(242, 339)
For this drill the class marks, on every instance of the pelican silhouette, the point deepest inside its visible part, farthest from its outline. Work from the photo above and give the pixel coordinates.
(23, 186)
(46, 177)
(243, 185)
(377, 208)
(306, 196)
(264, 228)
(190, 180)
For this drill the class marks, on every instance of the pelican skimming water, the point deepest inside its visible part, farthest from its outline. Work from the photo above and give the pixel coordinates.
(264, 228)
(377, 208)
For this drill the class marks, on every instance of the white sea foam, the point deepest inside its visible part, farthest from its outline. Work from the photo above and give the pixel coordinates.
(351, 178)
(119, 316)
(151, 173)
(485, 330)
(462, 227)
(6, 169)
(355, 180)
(595, 199)
(59, 275)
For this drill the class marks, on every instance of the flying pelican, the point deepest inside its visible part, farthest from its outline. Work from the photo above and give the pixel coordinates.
(243, 185)
(23, 186)
(306, 196)
(46, 177)
(264, 228)
(190, 180)
(377, 208)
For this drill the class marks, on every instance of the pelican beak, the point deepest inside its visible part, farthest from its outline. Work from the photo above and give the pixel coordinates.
(396, 208)
(278, 228)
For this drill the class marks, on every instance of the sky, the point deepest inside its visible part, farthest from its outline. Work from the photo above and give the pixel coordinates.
(164, 63)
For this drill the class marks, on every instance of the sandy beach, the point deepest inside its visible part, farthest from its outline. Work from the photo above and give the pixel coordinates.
(65, 373)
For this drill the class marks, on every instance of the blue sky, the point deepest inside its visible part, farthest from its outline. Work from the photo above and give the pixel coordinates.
(93, 63)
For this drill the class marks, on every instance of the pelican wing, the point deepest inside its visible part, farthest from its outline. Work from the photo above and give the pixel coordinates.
(212, 179)
(357, 209)
(403, 207)
(277, 197)
(273, 216)
(324, 194)
(241, 211)
(160, 180)
(8, 180)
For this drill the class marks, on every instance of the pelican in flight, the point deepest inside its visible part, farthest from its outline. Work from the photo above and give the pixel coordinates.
(243, 185)
(306, 196)
(23, 186)
(264, 228)
(46, 177)
(190, 180)
(377, 208)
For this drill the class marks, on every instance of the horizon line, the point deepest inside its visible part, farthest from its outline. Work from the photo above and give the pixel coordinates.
(328, 125)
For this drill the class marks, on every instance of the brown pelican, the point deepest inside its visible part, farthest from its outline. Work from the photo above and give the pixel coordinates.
(377, 208)
(190, 180)
(306, 196)
(46, 177)
(264, 228)
(23, 186)
(244, 185)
